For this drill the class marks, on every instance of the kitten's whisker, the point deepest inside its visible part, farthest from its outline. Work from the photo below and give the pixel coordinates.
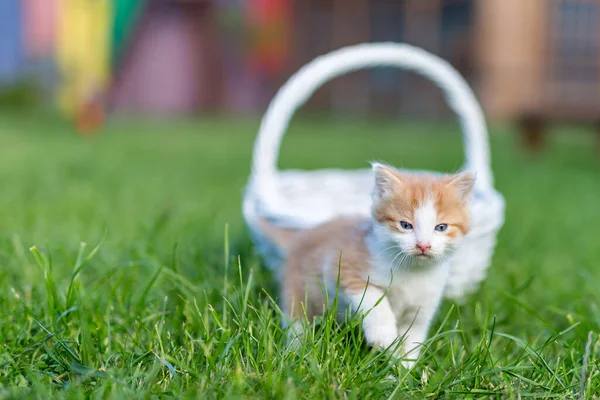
(394, 246)
(403, 257)
(398, 255)
(401, 263)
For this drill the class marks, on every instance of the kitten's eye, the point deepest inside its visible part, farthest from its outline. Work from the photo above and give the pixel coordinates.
(441, 227)
(405, 225)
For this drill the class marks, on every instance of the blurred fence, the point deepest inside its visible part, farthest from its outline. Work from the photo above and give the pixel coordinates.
(572, 74)
(442, 27)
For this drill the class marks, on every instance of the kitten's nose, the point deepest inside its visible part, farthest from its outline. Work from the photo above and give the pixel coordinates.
(423, 247)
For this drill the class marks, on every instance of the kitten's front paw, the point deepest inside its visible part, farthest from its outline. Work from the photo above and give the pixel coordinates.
(380, 335)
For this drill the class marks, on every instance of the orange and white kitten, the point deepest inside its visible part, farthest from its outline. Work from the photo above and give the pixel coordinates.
(391, 266)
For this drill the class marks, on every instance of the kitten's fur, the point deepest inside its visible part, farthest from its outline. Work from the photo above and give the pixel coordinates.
(382, 270)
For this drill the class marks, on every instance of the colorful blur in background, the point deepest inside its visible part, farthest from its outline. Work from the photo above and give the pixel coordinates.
(176, 57)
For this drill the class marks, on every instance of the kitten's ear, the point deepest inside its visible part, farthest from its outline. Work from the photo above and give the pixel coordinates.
(386, 181)
(464, 182)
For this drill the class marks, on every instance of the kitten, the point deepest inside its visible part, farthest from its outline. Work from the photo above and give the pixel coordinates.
(391, 265)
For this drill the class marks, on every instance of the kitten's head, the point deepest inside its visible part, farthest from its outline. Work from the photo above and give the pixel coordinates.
(422, 216)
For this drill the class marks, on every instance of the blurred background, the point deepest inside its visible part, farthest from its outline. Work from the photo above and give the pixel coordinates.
(93, 58)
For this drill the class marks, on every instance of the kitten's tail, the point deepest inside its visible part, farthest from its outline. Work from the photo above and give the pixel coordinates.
(282, 237)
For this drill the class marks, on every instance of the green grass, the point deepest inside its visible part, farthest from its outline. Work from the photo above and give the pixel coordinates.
(167, 298)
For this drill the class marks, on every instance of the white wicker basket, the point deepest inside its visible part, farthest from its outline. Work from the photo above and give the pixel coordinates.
(301, 199)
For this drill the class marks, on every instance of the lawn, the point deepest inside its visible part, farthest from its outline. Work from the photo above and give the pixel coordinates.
(127, 271)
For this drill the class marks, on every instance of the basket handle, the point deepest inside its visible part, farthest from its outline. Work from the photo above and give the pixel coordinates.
(298, 89)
